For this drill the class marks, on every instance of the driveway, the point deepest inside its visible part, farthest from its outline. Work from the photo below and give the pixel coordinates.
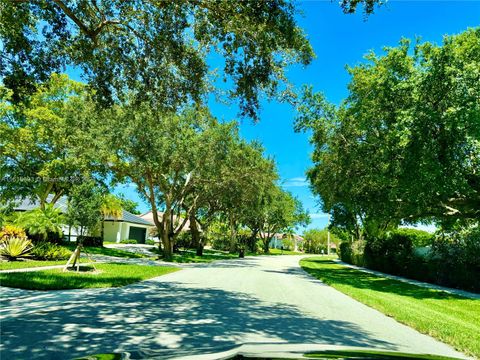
(201, 309)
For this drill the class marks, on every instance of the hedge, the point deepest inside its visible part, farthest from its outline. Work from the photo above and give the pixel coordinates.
(454, 259)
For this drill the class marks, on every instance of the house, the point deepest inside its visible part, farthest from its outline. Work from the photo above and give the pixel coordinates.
(148, 216)
(127, 226)
(277, 241)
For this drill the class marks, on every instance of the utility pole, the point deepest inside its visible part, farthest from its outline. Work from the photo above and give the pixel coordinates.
(328, 235)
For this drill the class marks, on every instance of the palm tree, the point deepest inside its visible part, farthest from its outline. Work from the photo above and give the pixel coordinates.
(42, 222)
(111, 208)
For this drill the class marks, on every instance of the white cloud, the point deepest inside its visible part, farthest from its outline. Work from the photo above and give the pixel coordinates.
(297, 179)
(296, 182)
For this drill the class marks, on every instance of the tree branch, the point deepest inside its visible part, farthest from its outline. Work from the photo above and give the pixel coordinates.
(72, 16)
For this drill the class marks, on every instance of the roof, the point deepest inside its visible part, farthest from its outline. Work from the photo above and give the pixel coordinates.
(131, 218)
(61, 204)
(29, 204)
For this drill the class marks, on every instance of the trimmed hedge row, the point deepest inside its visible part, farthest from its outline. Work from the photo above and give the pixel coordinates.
(453, 259)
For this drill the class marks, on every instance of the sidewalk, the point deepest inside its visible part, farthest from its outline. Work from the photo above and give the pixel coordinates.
(463, 293)
(37, 268)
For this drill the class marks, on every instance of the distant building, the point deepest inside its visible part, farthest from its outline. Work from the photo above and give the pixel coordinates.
(127, 226)
(278, 241)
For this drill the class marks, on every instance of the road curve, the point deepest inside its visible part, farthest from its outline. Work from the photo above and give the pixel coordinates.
(201, 309)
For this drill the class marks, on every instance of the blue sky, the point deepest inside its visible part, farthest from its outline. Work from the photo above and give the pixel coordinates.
(338, 40)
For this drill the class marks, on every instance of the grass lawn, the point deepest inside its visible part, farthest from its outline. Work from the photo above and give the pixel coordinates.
(188, 256)
(209, 255)
(20, 264)
(10, 265)
(452, 319)
(109, 275)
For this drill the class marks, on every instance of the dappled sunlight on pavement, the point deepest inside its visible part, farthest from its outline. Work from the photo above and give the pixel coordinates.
(197, 310)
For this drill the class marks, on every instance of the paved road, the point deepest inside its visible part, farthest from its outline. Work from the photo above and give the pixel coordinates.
(253, 300)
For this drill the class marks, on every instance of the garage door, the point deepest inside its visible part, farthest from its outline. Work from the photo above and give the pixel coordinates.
(137, 233)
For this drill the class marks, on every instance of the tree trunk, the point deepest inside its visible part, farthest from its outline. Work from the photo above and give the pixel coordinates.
(167, 246)
(200, 248)
(165, 239)
(196, 241)
(266, 248)
(233, 235)
(103, 231)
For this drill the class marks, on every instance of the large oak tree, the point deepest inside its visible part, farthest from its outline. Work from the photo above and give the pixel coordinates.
(158, 50)
(404, 146)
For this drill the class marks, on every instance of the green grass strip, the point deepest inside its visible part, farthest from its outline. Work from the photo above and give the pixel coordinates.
(108, 275)
(23, 264)
(452, 319)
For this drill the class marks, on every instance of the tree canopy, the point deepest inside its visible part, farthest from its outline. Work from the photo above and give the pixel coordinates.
(316, 240)
(42, 147)
(404, 145)
(157, 50)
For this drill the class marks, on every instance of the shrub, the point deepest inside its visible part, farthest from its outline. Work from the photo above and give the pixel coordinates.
(391, 253)
(358, 252)
(94, 241)
(420, 268)
(345, 252)
(150, 242)
(129, 241)
(353, 252)
(42, 224)
(455, 259)
(184, 240)
(220, 243)
(48, 251)
(13, 247)
(219, 235)
(12, 231)
(419, 238)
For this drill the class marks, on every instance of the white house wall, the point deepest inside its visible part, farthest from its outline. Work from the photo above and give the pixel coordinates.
(111, 230)
(116, 231)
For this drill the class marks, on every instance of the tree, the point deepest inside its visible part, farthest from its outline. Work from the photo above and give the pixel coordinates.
(316, 240)
(127, 204)
(154, 50)
(222, 170)
(250, 174)
(279, 212)
(403, 146)
(85, 207)
(350, 6)
(167, 176)
(41, 147)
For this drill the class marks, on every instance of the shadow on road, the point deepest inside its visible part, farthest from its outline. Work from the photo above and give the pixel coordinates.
(168, 319)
